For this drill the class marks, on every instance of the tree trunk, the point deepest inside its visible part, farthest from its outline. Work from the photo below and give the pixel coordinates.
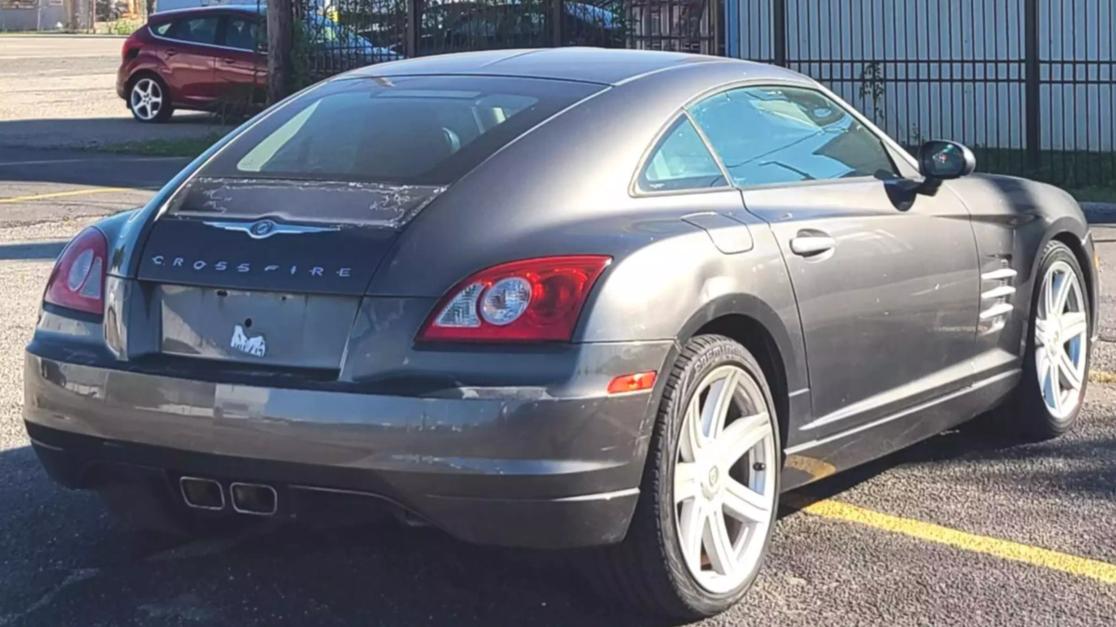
(280, 22)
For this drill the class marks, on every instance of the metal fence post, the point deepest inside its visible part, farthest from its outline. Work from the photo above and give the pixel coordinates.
(414, 19)
(1031, 77)
(779, 31)
(280, 23)
(716, 11)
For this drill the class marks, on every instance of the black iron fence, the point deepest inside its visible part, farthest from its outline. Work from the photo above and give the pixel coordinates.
(335, 35)
(678, 25)
(1029, 84)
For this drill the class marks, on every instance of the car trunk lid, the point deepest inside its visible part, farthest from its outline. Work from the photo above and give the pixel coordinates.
(287, 223)
(243, 273)
(259, 235)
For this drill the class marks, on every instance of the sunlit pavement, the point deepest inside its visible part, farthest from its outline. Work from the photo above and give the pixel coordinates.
(59, 91)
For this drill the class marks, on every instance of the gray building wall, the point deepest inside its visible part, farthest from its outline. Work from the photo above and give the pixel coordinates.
(29, 15)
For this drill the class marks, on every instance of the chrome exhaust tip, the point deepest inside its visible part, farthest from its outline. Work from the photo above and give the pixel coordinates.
(201, 493)
(255, 499)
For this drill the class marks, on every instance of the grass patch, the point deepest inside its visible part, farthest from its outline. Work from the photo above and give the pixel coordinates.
(122, 26)
(1089, 172)
(184, 147)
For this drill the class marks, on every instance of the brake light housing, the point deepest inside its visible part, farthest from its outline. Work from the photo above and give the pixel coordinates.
(531, 300)
(131, 47)
(77, 281)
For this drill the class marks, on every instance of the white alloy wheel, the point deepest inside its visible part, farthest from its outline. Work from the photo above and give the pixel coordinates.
(724, 486)
(146, 99)
(1061, 340)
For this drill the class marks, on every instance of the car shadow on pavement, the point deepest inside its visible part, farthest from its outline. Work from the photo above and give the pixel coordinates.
(63, 133)
(87, 168)
(67, 562)
(32, 251)
(1093, 474)
(103, 152)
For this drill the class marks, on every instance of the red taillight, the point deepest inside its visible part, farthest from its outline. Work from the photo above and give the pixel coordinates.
(78, 279)
(532, 300)
(131, 46)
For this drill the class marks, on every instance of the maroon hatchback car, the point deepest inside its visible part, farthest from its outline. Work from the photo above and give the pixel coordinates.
(193, 59)
(214, 57)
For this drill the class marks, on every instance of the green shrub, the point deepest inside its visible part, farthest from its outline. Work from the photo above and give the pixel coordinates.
(122, 27)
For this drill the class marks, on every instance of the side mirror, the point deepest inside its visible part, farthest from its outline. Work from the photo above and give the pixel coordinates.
(942, 160)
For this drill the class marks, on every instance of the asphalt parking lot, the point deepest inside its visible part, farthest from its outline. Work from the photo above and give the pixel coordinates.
(963, 528)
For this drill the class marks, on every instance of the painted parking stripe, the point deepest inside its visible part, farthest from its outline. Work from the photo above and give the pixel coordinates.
(1004, 549)
(75, 192)
(1102, 376)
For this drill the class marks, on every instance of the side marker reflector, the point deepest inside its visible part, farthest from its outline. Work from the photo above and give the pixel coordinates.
(632, 382)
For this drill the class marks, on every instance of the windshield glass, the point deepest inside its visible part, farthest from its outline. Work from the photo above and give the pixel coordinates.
(370, 151)
(426, 130)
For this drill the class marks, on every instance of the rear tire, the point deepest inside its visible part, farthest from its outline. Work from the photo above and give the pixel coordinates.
(149, 99)
(1056, 362)
(725, 478)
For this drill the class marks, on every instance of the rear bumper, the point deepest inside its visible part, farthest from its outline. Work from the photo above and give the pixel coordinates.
(506, 466)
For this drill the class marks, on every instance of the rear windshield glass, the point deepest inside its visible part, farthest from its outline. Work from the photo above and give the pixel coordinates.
(371, 151)
(421, 130)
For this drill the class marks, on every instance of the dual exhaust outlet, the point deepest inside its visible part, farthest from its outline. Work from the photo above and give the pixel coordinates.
(255, 499)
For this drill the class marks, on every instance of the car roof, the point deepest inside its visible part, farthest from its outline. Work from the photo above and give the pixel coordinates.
(213, 8)
(608, 66)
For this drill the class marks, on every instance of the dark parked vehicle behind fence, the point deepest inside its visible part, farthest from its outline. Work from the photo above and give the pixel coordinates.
(416, 28)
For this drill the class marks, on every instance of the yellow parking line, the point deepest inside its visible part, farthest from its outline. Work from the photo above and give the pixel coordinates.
(1004, 549)
(76, 192)
(1102, 376)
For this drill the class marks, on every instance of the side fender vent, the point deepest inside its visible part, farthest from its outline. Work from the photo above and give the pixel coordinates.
(997, 288)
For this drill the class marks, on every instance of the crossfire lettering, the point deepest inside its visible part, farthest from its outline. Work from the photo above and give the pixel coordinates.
(245, 267)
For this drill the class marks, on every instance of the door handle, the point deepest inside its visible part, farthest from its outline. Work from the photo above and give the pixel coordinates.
(171, 52)
(230, 61)
(811, 244)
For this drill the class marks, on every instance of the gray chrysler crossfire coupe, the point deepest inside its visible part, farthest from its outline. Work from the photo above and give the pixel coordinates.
(555, 299)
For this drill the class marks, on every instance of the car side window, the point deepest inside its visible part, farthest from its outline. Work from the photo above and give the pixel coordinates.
(768, 135)
(680, 161)
(199, 30)
(242, 33)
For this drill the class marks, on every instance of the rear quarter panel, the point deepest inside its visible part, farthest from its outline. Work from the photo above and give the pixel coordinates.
(566, 188)
(146, 58)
